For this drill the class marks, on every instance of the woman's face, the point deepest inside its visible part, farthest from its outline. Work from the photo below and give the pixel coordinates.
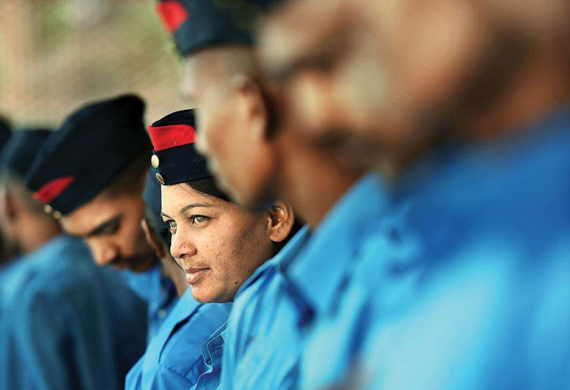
(217, 243)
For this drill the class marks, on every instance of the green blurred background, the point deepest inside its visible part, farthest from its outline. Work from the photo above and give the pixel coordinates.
(56, 55)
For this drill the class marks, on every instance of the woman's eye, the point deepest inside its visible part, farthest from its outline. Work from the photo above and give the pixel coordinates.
(171, 225)
(199, 219)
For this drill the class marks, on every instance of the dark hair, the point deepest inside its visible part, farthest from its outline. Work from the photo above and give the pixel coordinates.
(208, 186)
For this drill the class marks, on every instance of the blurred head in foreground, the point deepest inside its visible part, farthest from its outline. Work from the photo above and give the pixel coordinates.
(216, 242)
(91, 174)
(246, 132)
(399, 75)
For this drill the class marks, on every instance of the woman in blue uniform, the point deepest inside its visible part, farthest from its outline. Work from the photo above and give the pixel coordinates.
(217, 246)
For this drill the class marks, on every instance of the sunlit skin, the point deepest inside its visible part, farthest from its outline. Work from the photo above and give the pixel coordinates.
(375, 85)
(257, 156)
(111, 228)
(217, 243)
(226, 128)
(407, 68)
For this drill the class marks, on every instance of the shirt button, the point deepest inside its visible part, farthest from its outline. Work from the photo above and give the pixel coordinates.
(161, 313)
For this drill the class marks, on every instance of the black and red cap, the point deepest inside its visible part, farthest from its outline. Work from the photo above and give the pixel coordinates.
(21, 150)
(94, 144)
(175, 159)
(197, 24)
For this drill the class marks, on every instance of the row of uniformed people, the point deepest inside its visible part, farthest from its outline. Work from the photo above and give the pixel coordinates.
(444, 266)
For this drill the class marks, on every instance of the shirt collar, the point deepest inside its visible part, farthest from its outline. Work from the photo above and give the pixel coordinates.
(325, 262)
(184, 308)
(211, 349)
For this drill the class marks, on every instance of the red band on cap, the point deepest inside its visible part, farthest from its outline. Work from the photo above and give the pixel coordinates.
(167, 137)
(53, 189)
(173, 15)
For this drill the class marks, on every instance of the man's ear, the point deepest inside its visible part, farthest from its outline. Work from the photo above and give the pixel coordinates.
(255, 105)
(281, 221)
(153, 240)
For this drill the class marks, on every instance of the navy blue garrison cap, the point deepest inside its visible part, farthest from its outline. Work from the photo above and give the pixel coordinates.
(21, 149)
(175, 158)
(196, 24)
(91, 148)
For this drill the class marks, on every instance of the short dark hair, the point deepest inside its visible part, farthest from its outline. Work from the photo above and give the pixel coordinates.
(208, 186)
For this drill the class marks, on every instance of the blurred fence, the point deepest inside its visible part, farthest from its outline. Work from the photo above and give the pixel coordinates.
(58, 54)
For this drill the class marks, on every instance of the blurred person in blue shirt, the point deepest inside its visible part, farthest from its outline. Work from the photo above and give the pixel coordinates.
(90, 174)
(65, 323)
(174, 360)
(275, 310)
(466, 109)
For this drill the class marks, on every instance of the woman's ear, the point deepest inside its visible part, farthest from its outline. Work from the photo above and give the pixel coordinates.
(281, 221)
(254, 105)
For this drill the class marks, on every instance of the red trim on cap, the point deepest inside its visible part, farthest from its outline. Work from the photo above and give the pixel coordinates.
(167, 137)
(173, 15)
(53, 189)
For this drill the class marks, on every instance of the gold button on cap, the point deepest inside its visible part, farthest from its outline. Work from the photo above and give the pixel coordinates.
(154, 161)
(160, 178)
(48, 209)
(57, 215)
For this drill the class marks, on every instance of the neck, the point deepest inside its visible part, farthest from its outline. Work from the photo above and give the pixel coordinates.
(38, 232)
(541, 86)
(312, 181)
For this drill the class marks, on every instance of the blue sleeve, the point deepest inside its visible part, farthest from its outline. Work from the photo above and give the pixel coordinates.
(233, 341)
(35, 351)
(133, 380)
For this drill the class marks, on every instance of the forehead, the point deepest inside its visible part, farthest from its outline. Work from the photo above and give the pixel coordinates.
(180, 195)
(100, 210)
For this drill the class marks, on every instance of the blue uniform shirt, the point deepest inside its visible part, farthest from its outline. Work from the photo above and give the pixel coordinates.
(6, 270)
(266, 327)
(324, 272)
(212, 353)
(483, 301)
(173, 359)
(67, 323)
(159, 293)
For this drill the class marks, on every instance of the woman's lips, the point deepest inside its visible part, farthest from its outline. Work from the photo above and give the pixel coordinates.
(193, 275)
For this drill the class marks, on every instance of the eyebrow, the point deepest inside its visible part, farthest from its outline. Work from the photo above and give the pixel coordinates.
(188, 207)
(104, 226)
